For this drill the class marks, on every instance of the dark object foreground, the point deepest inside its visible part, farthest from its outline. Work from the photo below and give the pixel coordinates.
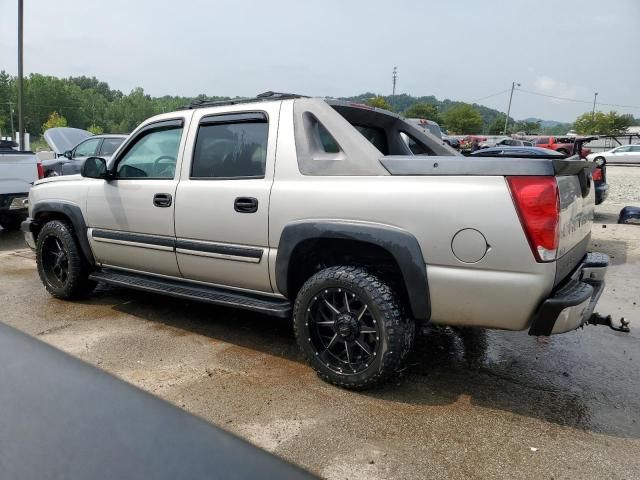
(61, 418)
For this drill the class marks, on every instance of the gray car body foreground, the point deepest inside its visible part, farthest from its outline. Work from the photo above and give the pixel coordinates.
(449, 222)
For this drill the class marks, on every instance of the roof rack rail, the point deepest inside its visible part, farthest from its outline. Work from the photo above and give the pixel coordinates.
(262, 97)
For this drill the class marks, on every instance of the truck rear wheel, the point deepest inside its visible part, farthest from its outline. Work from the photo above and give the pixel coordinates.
(61, 266)
(351, 328)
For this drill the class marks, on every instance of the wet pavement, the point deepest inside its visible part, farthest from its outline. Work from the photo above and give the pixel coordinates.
(471, 403)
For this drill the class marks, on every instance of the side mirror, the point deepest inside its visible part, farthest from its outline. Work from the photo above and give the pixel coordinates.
(68, 154)
(94, 167)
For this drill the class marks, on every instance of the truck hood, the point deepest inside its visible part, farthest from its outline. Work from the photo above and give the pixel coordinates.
(60, 178)
(61, 139)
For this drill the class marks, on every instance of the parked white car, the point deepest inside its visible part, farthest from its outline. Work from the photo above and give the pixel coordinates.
(623, 154)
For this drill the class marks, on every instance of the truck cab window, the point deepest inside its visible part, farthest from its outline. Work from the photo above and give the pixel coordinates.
(153, 155)
(230, 150)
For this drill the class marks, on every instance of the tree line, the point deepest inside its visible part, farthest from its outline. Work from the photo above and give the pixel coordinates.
(90, 104)
(464, 118)
(80, 102)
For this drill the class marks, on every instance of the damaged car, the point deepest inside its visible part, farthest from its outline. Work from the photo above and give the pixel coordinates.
(73, 146)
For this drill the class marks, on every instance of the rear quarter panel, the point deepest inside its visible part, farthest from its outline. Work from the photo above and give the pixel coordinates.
(500, 291)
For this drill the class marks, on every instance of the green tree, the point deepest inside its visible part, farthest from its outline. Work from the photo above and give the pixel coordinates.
(96, 129)
(423, 110)
(529, 128)
(378, 102)
(496, 127)
(463, 119)
(603, 123)
(55, 120)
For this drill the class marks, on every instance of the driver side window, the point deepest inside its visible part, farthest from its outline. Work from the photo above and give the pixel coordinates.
(153, 155)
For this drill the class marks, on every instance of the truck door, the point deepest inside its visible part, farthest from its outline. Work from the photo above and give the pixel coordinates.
(130, 217)
(222, 200)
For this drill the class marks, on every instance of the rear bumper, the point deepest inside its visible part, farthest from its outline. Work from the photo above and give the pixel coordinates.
(571, 306)
(27, 230)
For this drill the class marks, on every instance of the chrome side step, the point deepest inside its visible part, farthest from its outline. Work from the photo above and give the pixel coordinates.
(189, 291)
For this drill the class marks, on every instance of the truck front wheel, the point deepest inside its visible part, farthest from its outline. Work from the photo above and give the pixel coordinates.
(61, 266)
(351, 327)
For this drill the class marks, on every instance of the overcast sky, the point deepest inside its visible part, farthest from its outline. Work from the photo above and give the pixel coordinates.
(462, 50)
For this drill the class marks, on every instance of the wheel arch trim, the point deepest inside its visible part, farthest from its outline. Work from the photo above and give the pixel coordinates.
(75, 216)
(400, 244)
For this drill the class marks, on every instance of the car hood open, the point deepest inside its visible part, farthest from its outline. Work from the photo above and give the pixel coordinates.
(61, 139)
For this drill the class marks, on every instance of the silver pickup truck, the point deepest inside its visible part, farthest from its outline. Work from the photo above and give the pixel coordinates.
(349, 219)
(18, 172)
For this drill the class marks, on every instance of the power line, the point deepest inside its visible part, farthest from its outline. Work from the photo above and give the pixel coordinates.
(575, 100)
(492, 95)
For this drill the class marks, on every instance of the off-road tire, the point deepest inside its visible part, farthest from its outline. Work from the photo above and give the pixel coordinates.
(77, 283)
(397, 330)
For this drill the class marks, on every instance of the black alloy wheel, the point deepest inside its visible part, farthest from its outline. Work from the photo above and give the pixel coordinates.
(351, 327)
(343, 331)
(55, 262)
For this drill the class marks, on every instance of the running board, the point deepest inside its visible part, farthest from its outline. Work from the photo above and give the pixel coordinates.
(190, 291)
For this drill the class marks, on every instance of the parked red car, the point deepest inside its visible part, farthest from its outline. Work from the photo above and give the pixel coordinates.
(561, 144)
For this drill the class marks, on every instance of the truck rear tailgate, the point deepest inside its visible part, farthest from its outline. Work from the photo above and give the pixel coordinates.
(576, 219)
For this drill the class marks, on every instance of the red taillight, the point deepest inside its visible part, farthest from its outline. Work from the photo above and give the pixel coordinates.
(597, 174)
(40, 171)
(538, 206)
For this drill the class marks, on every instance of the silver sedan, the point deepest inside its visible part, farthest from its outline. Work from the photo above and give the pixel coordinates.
(623, 154)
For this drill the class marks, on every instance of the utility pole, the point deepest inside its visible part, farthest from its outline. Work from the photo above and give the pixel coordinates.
(395, 79)
(593, 112)
(13, 132)
(20, 77)
(506, 120)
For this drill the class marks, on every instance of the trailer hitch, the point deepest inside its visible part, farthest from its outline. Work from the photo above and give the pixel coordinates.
(597, 319)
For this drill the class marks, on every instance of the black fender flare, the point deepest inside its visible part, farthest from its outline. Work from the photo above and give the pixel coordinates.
(402, 246)
(74, 214)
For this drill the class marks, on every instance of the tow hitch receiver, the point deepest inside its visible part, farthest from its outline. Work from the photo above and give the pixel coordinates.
(597, 319)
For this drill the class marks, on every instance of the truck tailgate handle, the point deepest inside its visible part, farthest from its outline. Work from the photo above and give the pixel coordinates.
(162, 200)
(245, 205)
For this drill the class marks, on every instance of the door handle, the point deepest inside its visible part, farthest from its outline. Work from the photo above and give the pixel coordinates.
(246, 205)
(162, 200)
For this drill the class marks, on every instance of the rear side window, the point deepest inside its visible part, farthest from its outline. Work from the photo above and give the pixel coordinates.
(542, 141)
(329, 144)
(231, 146)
